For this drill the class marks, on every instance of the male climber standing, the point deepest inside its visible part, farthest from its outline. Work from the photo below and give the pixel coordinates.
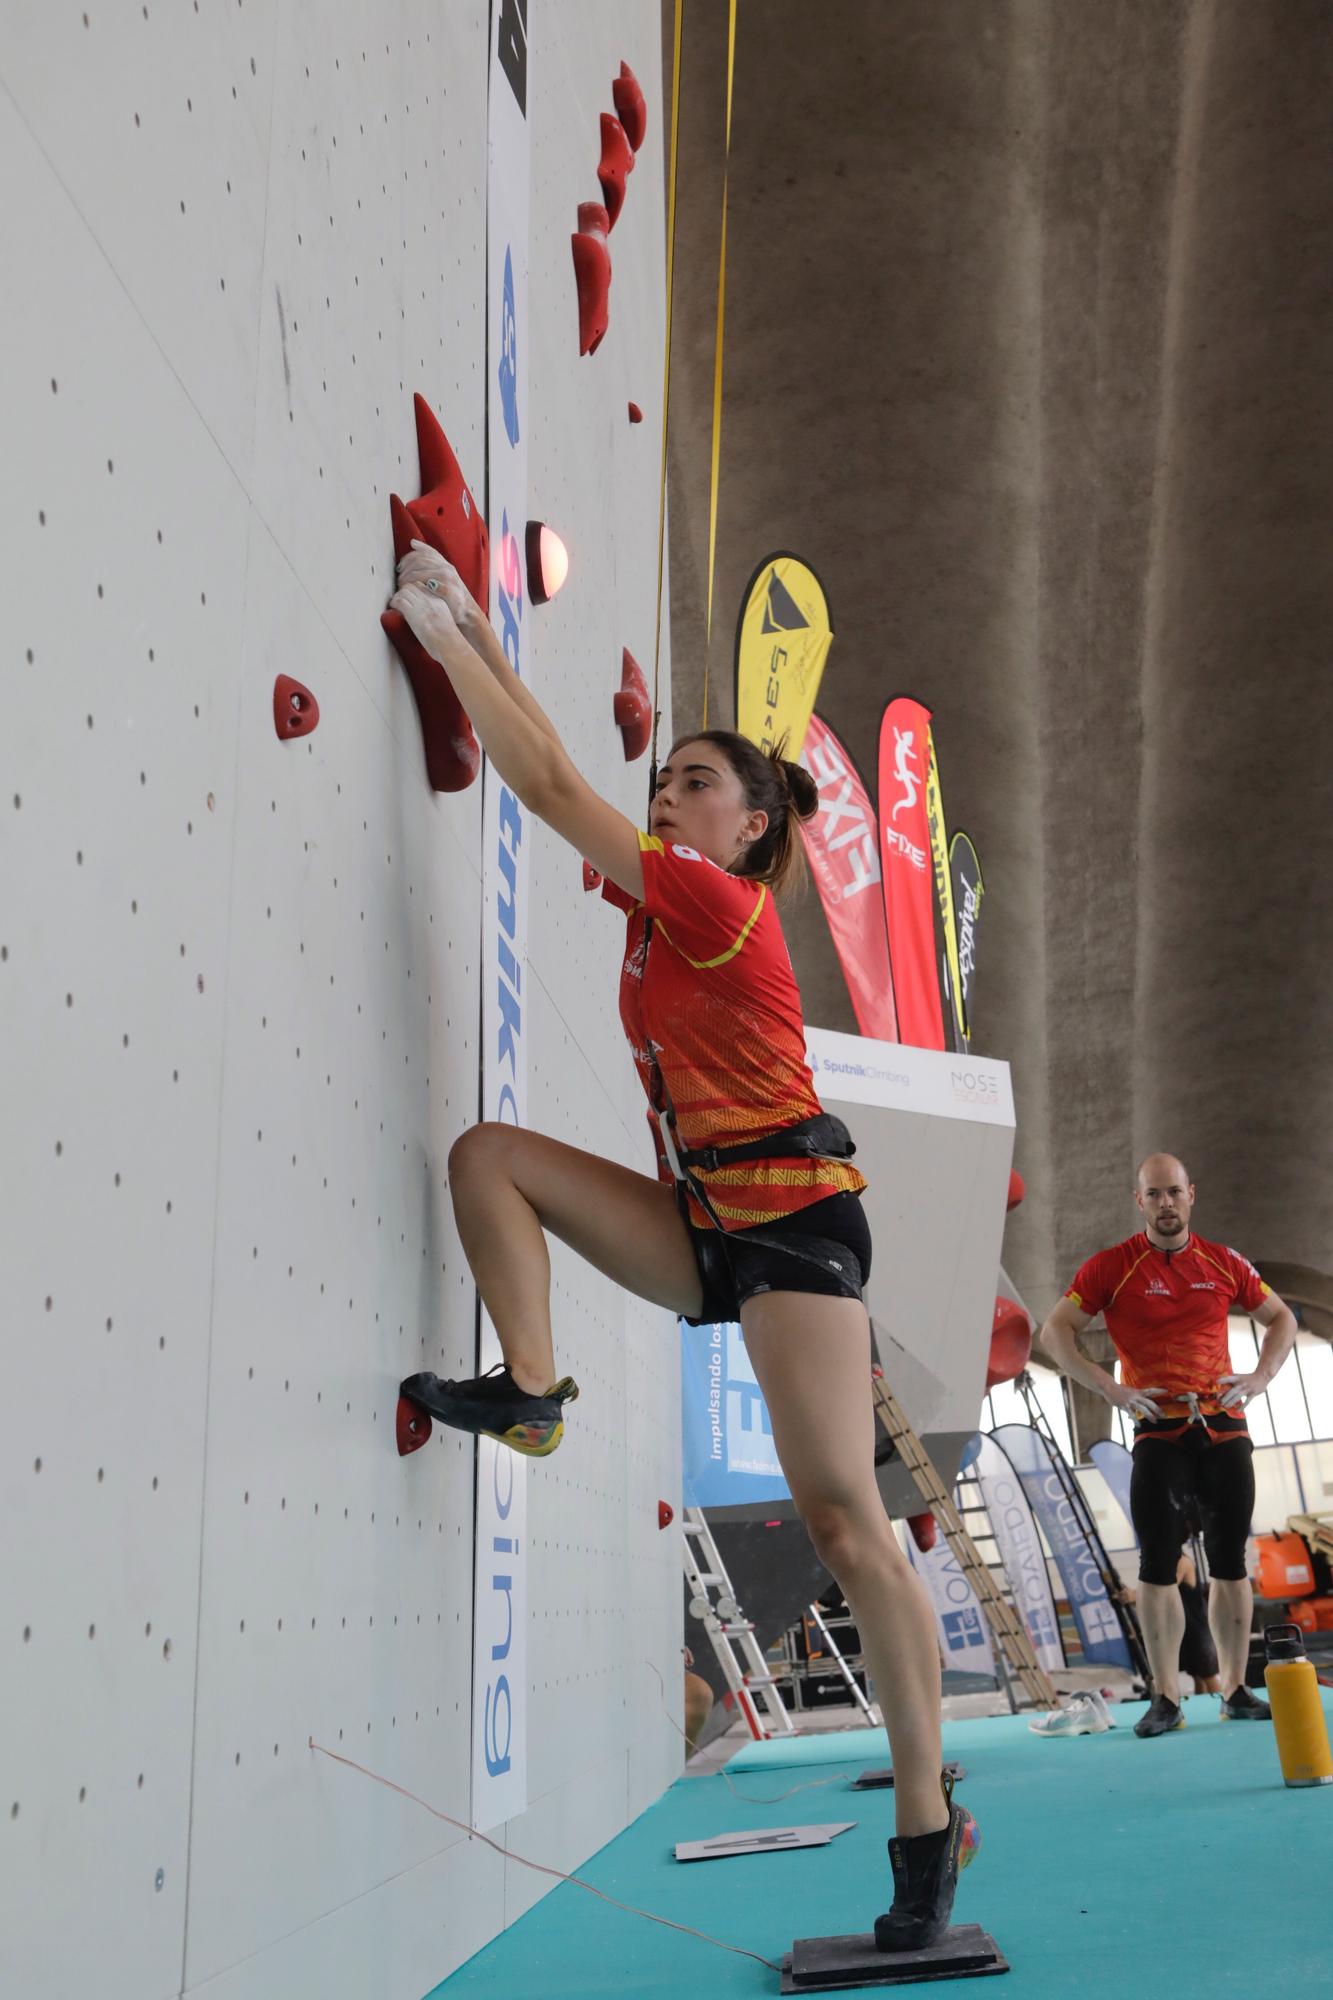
(1166, 1295)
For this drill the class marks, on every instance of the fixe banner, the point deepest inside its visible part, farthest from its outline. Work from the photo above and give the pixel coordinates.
(909, 897)
(842, 845)
(968, 890)
(782, 641)
(939, 855)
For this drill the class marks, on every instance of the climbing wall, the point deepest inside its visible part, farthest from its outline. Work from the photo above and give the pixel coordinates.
(240, 992)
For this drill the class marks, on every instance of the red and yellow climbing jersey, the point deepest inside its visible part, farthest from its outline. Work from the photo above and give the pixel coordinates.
(719, 1013)
(1166, 1310)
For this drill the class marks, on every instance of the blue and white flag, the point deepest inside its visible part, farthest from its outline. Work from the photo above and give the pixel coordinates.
(1035, 1462)
(1115, 1465)
(959, 1619)
(1019, 1544)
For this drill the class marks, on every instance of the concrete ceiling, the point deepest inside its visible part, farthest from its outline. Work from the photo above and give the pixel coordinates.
(1030, 353)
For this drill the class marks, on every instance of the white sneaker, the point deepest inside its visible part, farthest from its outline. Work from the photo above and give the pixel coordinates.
(1102, 1706)
(1079, 1718)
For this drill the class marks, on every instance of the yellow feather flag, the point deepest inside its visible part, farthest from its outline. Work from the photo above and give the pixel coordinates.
(782, 642)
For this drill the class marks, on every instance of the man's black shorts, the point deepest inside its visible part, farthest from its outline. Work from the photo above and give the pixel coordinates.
(1176, 1478)
(823, 1249)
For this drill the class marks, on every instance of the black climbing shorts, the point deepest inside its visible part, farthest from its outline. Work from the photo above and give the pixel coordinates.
(1174, 1479)
(824, 1249)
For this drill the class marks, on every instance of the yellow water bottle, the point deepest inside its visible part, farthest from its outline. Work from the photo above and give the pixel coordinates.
(1298, 1712)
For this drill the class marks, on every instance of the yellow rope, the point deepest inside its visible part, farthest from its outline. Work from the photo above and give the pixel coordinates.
(717, 357)
(666, 371)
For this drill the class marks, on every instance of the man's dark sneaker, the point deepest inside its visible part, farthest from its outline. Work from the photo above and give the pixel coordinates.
(1162, 1716)
(492, 1405)
(926, 1867)
(1242, 1706)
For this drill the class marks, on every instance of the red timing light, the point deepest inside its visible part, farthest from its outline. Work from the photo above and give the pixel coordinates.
(548, 562)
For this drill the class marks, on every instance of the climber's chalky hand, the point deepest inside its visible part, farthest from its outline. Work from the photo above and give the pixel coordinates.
(437, 575)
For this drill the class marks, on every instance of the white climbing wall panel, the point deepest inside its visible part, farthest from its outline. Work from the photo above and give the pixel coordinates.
(239, 999)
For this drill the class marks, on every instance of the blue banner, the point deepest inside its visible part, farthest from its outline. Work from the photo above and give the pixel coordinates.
(1034, 1460)
(1115, 1465)
(729, 1454)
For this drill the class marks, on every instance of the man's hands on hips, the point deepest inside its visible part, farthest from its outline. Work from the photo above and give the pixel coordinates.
(1237, 1390)
(1136, 1403)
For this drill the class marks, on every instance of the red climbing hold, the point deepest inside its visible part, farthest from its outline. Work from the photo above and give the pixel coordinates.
(923, 1531)
(627, 96)
(665, 1515)
(295, 710)
(446, 515)
(452, 756)
(413, 1427)
(1016, 1189)
(614, 167)
(591, 879)
(633, 708)
(1010, 1343)
(635, 414)
(592, 275)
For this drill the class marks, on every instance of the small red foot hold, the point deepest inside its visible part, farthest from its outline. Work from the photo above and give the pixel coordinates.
(413, 1427)
(633, 708)
(1016, 1189)
(635, 414)
(615, 166)
(295, 710)
(631, 110)
(665, 1516)
(592, 275)
(591, 879)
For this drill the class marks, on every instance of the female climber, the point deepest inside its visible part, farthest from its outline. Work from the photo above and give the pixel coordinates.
(755, 1214)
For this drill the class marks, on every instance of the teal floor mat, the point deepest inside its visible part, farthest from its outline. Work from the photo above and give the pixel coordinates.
(1170, 1868)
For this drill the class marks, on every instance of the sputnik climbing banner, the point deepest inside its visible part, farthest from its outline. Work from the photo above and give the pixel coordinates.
(968, 890)
(782, 641)
(904, 844)
(843, 849)
(500, 1626)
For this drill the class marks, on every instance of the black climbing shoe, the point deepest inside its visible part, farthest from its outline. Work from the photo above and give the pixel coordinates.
(926, 1867)
(1242, 1706)
(492, 1405)
(1160, 1717)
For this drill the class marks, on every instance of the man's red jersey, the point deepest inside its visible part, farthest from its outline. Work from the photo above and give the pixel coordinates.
(719, 1012)
(1166, 1310)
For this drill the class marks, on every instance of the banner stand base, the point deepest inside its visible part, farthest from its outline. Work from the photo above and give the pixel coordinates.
(822, 1965)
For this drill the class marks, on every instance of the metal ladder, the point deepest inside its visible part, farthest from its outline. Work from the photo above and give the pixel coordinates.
(815, 1616)
(743, 1665)
(1007, 1628)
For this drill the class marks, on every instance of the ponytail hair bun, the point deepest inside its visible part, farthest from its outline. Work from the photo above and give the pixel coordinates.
(804, 791)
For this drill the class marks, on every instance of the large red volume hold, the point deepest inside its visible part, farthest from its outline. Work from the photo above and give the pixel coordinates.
(616, 164)
(627, 96)
(452, 756)
(592, 275)
(446, 515)
(633, 708)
